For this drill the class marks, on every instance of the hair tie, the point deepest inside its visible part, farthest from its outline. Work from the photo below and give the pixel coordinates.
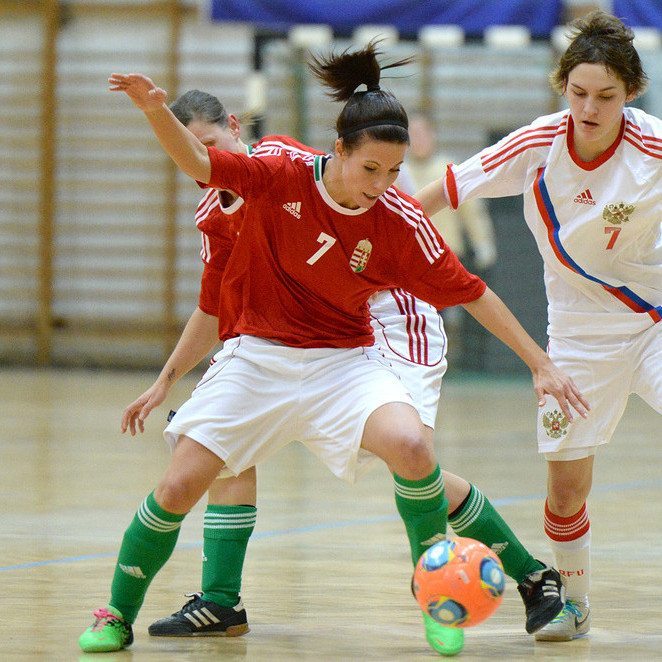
(372, 87)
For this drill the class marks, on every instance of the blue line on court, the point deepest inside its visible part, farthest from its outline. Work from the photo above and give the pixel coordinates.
(276, 533)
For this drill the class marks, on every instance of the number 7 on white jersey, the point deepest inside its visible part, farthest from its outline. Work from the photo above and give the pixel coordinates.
(327, 241)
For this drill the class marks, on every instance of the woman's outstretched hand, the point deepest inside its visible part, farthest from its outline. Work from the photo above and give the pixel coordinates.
(548, 379)
(140, 89)
(136, 413)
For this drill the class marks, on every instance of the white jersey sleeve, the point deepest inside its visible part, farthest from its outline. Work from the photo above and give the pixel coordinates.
(503, 169)
(596, 223)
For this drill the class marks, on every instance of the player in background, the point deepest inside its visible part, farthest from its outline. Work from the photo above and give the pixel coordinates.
(471, 237)
(294, 297)
(411, 336)
(230, 516)
(590, 176)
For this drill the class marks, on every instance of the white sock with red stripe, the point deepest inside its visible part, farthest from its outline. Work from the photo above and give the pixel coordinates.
(570, 540)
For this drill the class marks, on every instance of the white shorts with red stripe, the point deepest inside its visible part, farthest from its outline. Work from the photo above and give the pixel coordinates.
(607, 369)
(411, 335)
(258, 396)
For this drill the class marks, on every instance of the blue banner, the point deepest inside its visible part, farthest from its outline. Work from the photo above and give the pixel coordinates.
(639, 13)
(408, 16)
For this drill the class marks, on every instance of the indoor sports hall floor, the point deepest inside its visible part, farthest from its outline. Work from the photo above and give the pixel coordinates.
(327, 573)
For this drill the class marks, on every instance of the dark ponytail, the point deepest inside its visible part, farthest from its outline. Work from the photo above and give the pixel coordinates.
(374, 112)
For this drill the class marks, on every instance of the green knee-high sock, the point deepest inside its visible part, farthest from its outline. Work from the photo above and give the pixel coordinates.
(423, 506)
(226, 533)
(146, 546)
(476, 518)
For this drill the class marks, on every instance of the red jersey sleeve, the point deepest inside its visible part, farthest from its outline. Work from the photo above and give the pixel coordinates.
(248, 177)
(428, 268)
(218, 235)
(210, 290)
(446, 282)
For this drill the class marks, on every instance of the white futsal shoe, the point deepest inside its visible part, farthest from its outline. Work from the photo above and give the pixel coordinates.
(573, 621)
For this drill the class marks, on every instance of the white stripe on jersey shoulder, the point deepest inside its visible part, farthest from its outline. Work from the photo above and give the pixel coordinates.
(410, 213)
(425, 235)
(277, 147)
(209, 200)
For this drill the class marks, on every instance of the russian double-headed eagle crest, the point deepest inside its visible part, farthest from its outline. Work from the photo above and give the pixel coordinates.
(555, 424)
(617, 212)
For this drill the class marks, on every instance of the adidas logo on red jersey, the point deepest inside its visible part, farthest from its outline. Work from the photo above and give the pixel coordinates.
(293, 208)
(585, 198)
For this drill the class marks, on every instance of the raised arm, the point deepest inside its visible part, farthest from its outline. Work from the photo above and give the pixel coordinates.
(178, 142)
(492, 313)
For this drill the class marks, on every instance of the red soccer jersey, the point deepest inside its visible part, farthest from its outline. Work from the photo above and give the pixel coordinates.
(219, 226)
(304, 267)
(219, 221)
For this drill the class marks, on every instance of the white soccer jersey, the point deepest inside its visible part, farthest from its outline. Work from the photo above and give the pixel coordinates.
(598, 225)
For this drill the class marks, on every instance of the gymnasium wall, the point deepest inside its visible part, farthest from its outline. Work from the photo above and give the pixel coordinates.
(99, 260)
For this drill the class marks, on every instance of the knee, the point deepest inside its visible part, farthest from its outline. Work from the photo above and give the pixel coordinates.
(174, 495)
(568, 485)
(566, 499)
(414, 458)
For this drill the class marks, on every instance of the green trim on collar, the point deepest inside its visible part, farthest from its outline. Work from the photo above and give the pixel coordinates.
(317, 169)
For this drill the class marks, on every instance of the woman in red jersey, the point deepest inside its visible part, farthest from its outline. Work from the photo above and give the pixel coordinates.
(320, 237)
(411, 336)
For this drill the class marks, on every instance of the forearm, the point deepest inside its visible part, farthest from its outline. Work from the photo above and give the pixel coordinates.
(180, 144)
(492, 313)
(199, 336)
(432, 197)
(476, 221)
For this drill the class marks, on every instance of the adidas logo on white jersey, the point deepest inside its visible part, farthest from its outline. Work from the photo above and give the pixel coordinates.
(293, 208)
(133, 570)
(585, 198)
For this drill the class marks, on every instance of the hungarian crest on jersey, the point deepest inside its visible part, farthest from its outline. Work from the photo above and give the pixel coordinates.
(555, 424)
(360, 256)
(617, 212)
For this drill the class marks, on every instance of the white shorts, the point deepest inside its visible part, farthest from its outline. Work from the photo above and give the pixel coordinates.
(258, 396)
(410, 333)
(607, 369)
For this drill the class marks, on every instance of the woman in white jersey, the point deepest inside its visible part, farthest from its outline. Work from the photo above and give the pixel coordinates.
(411, 336)
(590, 176)
(320, 236)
